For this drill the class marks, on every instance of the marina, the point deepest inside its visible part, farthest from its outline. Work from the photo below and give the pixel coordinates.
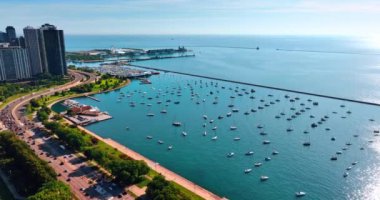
(214, 140)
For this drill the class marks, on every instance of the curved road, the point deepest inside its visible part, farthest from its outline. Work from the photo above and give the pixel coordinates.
(82, 179)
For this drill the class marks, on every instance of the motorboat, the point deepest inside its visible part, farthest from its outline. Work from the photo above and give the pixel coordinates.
(232, 128)
(176, 123)
(160, 142)
(170, 147)
(257, 164)
(149, 137)
(236, 139)
(300, 194)
(264, 178)
(184, 133)
(205, 133)
(266, 142)
(247, 170)
(231, 154)
(214, 138)
(249, 153)
(267, 159)
(275, 152)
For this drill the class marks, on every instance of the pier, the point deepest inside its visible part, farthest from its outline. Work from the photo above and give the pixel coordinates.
(93, 98)
(262, 86)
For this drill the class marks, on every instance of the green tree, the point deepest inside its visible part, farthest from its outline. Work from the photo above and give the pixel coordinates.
(54, 190)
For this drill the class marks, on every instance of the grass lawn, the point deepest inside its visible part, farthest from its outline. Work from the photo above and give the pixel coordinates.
(187, 192)
(4, 192)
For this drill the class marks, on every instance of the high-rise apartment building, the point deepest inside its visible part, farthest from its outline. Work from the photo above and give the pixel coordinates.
(14, 64)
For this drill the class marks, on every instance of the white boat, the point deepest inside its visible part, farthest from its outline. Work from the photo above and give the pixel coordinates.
(229, 114)
(264, 178)
(204, 125)
(163, 111)
(275, 152)
(247, 170)
(205, 133)
(257, 164)
(205, 117)
(176, 123)
(266, 142)
(349, 168)
(249, 153)
(214, 138)
(150, 114)
(267, 159)
(214, 128)
(354, 163)
(232, 128)
(211, 121)
(149, 137)
(170, 147)
(300, 194)
(184, 133)
(160, 142)
(345, 174)
(229, 155)
(236, 139)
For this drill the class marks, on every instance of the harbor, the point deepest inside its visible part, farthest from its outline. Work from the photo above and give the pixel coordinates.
(231, 126)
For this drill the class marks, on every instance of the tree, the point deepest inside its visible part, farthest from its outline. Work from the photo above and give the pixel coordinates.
(53, 190)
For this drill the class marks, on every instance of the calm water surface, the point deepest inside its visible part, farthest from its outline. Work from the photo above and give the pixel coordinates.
(296, 167)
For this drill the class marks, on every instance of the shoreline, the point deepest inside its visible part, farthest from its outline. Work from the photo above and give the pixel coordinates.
(168, 174)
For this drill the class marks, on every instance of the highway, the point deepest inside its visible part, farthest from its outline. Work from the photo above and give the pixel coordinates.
(84, 181)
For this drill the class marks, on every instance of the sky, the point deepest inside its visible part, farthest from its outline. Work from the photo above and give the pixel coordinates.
(221, 17)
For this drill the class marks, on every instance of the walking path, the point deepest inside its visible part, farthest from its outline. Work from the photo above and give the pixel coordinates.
(169, 175)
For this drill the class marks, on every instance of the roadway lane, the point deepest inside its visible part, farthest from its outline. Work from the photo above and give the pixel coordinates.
(82, 179)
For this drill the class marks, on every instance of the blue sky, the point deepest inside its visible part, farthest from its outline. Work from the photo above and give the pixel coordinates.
(274, 17)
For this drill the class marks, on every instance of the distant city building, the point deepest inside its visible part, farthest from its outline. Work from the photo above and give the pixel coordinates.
(11, 33)
(46, 48)
(21, 41)
(54, 49)
(3, 37)
(14, 64)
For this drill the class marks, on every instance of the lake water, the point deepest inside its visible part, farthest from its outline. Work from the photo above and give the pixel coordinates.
(352, 74)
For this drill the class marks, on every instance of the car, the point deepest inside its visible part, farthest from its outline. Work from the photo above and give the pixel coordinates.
(86, 194)
(68, 179)
(61, 163)
(42, 153)
(65, 170)
(119, 196)
(59, 174)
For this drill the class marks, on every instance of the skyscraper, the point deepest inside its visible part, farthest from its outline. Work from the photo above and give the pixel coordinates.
(14, 64)
(46, 48)
(54, 49)
(33, 44)
(11, 33)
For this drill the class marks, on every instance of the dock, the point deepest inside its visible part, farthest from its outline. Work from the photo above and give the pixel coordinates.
(93, 98)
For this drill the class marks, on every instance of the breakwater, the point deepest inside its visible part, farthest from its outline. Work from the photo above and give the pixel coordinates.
(261, 86)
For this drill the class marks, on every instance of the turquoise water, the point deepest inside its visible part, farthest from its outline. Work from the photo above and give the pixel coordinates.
(296, 167)
(347, 74)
